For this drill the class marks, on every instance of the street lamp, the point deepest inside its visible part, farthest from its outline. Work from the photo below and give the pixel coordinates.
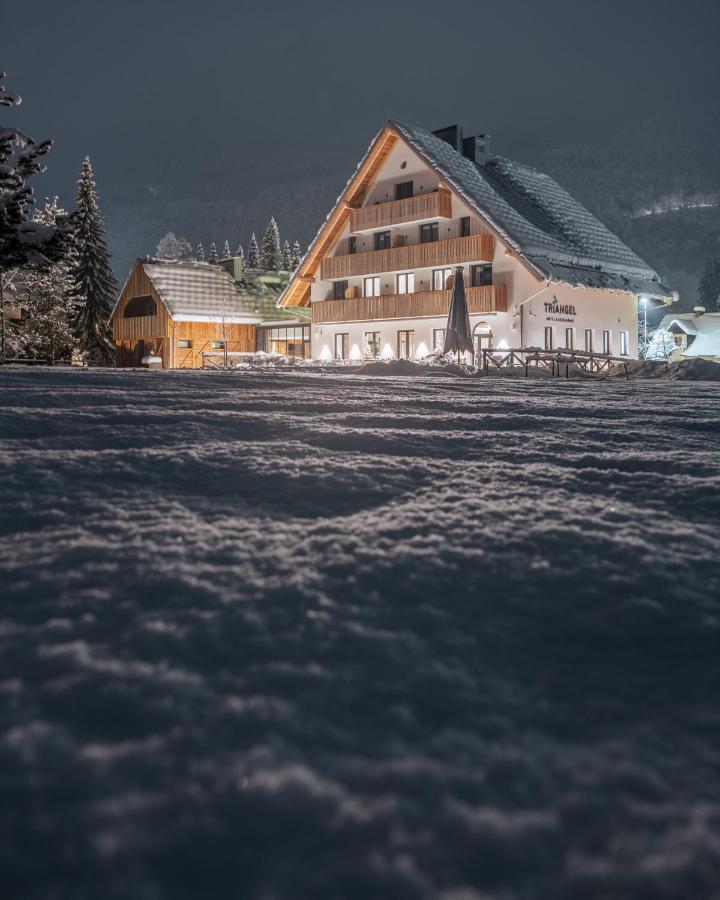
(643, 302)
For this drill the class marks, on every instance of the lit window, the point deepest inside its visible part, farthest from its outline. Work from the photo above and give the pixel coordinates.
(406, 283)
(372, 343)
(342, 342)
(440, 279)
(607, 343)
(588, 340)
(217, 345)
(371, 286)
(624, 343)
(406, 344)
(184, 344)
(438, 338)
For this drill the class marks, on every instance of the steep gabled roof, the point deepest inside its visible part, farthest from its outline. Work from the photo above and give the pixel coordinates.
(200, 291)
(556, 236)
(704, 328)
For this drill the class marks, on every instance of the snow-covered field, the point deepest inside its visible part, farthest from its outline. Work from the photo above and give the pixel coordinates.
(270, 636)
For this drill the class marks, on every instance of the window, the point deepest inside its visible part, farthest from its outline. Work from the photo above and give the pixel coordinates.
(588, 340)
(429, 233)
(339, 288)
(440, 279)
(372, 343)
(341, 346)
(438, 342)
(289, 341)
(352, 244)
(624, 343)
(465, 226)
(570, 338)
(217, 345)
(548, 337)
(406, 283)
(371, 286)
(138, 307)
(403, 190)
(185, 344)
(406, 344)
(607, 342)
(382, 240)
(480, 275)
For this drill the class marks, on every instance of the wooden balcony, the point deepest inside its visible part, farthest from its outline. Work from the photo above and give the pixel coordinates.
(475, 248)
(492, 298)
(436, 205)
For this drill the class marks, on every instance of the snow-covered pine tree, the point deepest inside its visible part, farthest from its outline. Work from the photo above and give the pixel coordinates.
(95, 287)
(171, 246)
(709, 287)
(297, 255)
(212, 255)
(24, 242)
(200, 253)
(226, 250)
(49, 299)
(286, 264)
(253, 257)
(270, 255)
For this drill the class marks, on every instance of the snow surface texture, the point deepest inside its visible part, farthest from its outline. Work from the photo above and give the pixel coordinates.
(284, 635)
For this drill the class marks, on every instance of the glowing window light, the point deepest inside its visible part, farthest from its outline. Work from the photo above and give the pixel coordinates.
(325, 354)
(387, 352)
(422, 351)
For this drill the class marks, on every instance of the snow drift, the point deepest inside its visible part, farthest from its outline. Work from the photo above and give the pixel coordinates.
(274, 634)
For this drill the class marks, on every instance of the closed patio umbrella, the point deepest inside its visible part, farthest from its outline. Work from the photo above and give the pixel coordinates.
(458, 336)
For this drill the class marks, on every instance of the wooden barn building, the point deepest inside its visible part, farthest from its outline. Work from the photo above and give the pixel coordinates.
(191, 314)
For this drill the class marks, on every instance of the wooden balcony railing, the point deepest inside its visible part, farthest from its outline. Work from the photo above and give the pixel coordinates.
(476, 247)
(492, 298)
(436, 205)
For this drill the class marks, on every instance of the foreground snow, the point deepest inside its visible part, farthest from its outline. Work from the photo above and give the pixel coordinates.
(286, 635)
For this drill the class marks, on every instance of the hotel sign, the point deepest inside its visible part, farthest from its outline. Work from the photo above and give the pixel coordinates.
(559, 312)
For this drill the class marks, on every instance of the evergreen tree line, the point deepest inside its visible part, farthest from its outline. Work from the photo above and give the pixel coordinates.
(271, 255)
(57, 288)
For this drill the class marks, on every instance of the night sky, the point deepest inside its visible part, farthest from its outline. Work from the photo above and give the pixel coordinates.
(187, 99)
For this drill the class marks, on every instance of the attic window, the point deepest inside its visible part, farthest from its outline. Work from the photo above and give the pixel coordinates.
(140, 306)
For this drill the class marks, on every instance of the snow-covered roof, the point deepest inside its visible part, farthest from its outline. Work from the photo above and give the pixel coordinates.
(539, 219)
(705, 329)
(196, 291)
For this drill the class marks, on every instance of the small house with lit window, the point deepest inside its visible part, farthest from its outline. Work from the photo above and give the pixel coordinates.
(192, 314)
(540, 270)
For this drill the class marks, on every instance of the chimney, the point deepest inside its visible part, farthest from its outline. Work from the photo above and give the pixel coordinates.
(233, 265)
(453, 135)
(698, 311)
(477, 148)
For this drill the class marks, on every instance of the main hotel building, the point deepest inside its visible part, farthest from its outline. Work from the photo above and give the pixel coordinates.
(540, 270)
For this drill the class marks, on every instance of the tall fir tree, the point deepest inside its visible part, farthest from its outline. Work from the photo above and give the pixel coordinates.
(226, 250)
(50, 303)
(286, 264)
(270, 256)
(253, 257)
(173, 246)
(212, 255)
(95, 287)
(709, 287)
(200, 253)
(24, 241)
(296, 256)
